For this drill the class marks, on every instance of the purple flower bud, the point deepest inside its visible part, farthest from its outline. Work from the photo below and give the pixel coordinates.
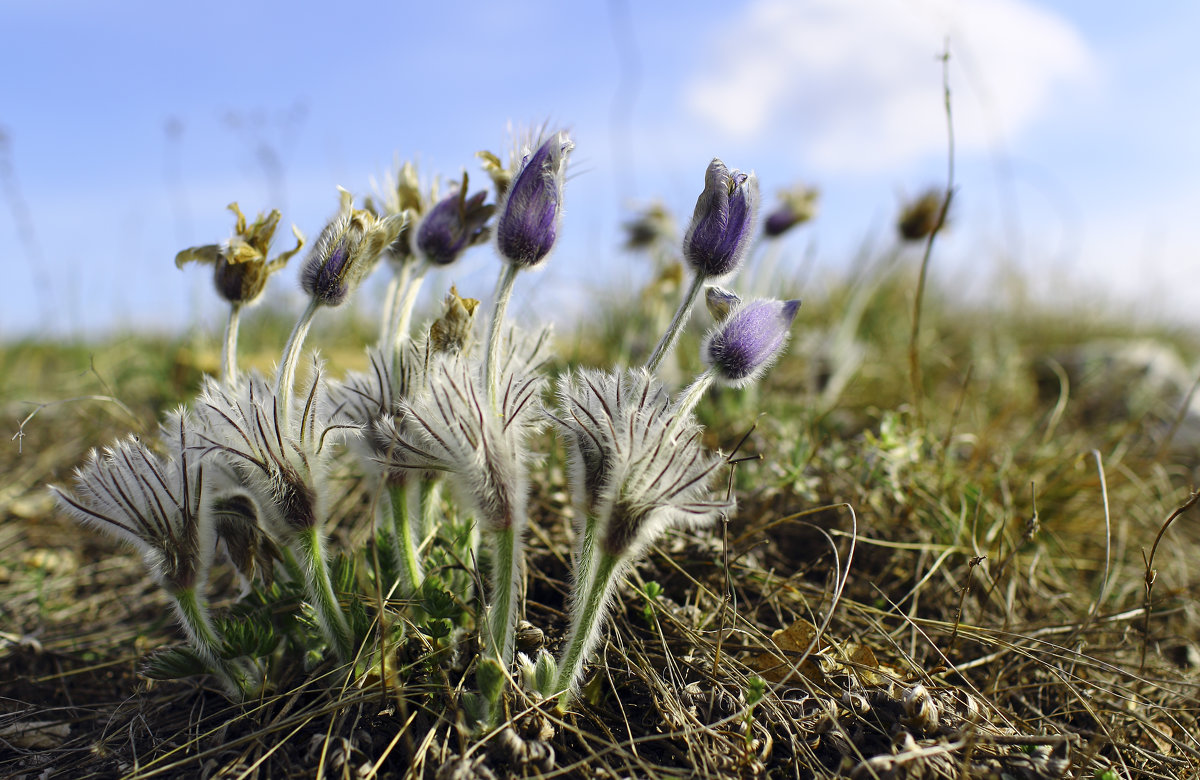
(326, 281)
(796, 207)
(454, 224)
(532, 208)
(723, 223)
(346, 251)
(748, 341)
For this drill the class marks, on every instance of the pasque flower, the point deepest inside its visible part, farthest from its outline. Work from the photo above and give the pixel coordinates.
(484, 453)
(454, 224)
(531, 211)
(346, 251)
(240, 271)
(723, 224)
(745, 344)
(158, 505)
(637, 468)
(283, 465)
(716, 240)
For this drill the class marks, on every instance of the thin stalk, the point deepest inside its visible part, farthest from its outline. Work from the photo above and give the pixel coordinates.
(391, 299)
(311, 548)
(502, 616)
(406, 550)
(430, 499)
(694, 392)
(229, 352)
(585, 626)
(504, 288)
(404, 310)
(193, 614)
(286, 375)
(681, 317)
(587, 551)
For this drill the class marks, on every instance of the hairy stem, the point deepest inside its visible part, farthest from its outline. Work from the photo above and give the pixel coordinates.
(229, 368)
(192, 611)
(586, 622)
(692, 395)
(504, 288)
(311, 549)
(391, 300)
(285, 377)
(676, 327)
(404, 309)
(405, 540)
(502, 615)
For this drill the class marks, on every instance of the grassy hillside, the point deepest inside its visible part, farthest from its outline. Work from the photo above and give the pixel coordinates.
(943, 581)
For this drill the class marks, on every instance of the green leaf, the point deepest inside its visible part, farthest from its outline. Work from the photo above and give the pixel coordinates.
(545, 672)
(173, 663)
(490, 678)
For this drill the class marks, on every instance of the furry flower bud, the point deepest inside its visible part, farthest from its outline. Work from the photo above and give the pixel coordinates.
(346, 251)
(532, 209)
(455, 223)
(747, 342)
(723, 224)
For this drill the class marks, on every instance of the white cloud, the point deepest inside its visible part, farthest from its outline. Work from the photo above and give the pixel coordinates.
(856, 82)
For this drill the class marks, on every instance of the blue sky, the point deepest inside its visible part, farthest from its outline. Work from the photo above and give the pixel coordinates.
(128, 128)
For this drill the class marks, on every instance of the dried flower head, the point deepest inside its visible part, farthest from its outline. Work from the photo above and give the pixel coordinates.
(240, 265)
(920, 216)
(402, 195)
(743, 346)
(720, 301)
(723, 224)
(451, 333)
(652, 226)
(531, 211)
(454, 224)
(796, 206)
(154, 503)
(346, 251)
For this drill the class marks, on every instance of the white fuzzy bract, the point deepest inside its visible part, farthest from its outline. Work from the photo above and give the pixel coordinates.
(152, 502)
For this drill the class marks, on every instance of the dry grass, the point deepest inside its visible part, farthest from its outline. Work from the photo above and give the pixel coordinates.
(964, 598)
